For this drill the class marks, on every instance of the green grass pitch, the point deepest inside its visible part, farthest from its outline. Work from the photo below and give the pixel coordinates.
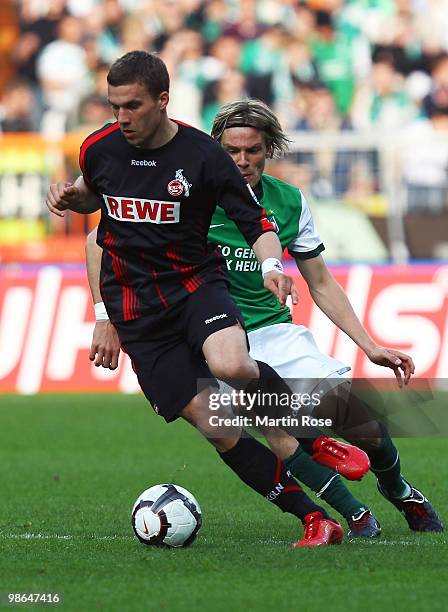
(72, 466)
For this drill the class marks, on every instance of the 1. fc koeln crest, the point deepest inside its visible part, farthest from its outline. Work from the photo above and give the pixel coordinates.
(179, 185)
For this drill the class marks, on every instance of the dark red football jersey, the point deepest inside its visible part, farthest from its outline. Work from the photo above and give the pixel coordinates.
(156, 208)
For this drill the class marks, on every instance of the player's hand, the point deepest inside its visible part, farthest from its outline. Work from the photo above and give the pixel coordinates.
(281, 286)
(61, 197)
(402, 364)
(105, 348)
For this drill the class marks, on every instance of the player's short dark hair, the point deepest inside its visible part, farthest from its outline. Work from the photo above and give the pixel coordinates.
(249, 112)
(140, 67)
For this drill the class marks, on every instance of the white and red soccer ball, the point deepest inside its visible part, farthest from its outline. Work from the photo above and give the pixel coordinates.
(166, 515)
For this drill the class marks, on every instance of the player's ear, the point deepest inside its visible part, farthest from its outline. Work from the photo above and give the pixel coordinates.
(269, 149)
(164, 98)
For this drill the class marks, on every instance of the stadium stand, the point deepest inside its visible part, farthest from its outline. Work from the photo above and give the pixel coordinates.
(326, 67)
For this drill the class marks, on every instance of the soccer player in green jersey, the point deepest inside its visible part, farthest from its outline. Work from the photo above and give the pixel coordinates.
(251, 133)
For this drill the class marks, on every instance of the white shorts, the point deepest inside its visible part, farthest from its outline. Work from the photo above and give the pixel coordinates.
(293, 353)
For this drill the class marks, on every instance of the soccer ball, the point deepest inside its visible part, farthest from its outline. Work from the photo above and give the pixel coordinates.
(166, 515)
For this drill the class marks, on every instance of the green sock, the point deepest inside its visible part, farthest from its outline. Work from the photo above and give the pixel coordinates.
(327, 484)
(385, 464)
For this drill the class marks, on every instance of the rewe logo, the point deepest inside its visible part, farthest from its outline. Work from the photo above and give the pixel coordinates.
(141, 211)
(143, 162)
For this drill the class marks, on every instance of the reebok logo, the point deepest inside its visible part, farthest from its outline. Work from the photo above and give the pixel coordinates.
(144, 162)
(215, 318)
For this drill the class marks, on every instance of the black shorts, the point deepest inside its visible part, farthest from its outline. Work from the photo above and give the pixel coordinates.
(166, 348)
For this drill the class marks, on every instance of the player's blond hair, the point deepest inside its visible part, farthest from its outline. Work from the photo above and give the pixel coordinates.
(249, 112)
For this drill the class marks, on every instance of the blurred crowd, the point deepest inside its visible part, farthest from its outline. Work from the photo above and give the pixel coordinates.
(322, 65)
(319, 63)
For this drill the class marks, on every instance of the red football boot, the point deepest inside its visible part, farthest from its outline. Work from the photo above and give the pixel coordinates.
(347, 460)
(320, 531)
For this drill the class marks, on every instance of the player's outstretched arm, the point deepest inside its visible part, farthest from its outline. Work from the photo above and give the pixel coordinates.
(333, 301)
(105, 348)
(268, 250)
(71, 196)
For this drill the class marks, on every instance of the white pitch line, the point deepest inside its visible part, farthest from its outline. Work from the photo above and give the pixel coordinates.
(370, 542)
(374, 542)
(55, 536)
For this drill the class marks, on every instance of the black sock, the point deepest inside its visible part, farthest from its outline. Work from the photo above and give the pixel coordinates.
(258, 467)
(270, 382)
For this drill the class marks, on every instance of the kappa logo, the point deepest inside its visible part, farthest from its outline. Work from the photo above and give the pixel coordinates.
(144, 162)
(179, 185)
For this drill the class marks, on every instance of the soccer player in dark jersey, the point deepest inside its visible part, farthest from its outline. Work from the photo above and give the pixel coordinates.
(250, 133)
(164, 286)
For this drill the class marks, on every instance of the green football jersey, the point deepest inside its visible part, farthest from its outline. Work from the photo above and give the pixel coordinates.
(286, 208)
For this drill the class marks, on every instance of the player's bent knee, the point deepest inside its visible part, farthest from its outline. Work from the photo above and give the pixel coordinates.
(223, 445)
(235, 369)
(218, 426)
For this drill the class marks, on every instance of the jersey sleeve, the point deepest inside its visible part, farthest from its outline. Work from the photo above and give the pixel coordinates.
(307, 243)
(85, 165)
(85, 153)
(238, 200)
